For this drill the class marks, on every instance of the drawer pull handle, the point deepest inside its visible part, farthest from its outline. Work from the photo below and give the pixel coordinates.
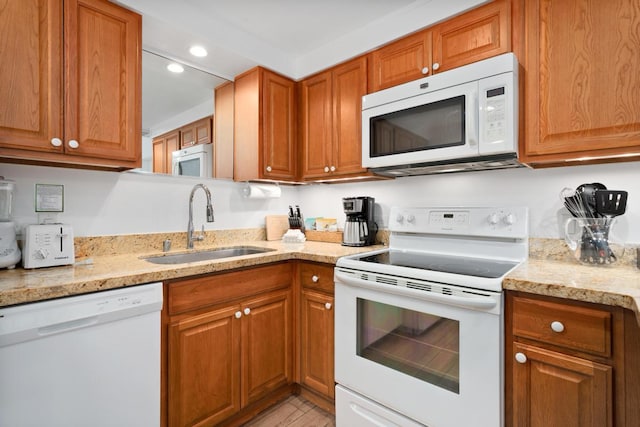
(238, 314)
(327, 306)
(315, 278)
(247, 311)
(557, 326)
(521, 358)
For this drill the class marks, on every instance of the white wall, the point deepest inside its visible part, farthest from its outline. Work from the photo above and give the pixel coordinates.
(101, 203)
(538, 189)
(104, 203)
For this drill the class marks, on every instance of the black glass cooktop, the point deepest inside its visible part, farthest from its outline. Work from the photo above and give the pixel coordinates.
(447, 264)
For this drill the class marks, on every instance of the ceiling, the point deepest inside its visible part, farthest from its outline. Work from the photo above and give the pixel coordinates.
(167, 96)
(293, 37)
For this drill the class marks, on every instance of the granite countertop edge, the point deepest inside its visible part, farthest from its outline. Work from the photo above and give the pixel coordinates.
(617, 286)
(614, 286)
(99, 273)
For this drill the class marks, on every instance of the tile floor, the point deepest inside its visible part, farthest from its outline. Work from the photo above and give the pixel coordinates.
(293, 412)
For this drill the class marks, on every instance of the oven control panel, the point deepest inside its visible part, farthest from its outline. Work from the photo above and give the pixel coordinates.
(511, 222)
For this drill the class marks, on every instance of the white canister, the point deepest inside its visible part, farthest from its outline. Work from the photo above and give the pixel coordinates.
(6, 198)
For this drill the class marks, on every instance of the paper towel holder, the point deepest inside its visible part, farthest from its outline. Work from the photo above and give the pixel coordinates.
(253, 190)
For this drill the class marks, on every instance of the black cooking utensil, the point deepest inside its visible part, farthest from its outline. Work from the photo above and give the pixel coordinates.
(588, 194)
(610, 203)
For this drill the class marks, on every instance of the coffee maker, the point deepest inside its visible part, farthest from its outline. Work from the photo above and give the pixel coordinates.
(359, 227)
(9, 252)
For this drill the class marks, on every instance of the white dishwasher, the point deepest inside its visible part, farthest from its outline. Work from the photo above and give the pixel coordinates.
(89, 360)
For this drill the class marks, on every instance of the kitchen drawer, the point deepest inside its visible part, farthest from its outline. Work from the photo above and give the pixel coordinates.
(199, 292)
(565, 325)
(317, 276)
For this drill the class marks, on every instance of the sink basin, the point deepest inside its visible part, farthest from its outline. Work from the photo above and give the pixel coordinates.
(206, 255)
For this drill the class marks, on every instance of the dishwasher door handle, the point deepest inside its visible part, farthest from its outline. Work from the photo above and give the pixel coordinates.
(68, 326)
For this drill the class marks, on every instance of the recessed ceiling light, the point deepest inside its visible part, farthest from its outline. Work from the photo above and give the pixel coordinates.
(175, 68)
(198, 51)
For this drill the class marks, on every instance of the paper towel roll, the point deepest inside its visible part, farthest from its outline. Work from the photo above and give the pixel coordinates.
(262, 191)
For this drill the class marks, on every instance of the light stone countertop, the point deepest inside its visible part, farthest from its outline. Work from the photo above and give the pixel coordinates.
(609, 285)
(549, 271)
(98, 273)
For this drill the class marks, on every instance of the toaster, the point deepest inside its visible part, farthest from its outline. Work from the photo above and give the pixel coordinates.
(47, 245)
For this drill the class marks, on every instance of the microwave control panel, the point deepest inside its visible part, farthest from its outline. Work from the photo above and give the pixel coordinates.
(498, 114)
(496, 125)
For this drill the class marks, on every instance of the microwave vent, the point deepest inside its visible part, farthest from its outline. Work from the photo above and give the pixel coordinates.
(501, 161)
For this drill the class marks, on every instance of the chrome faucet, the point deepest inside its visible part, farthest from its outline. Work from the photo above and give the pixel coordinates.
(190, 237)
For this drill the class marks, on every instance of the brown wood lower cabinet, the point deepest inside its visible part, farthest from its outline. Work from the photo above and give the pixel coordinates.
(228, 342)
(554, 389)
(570, 363)
(204, 368)
(316, 328)
(316, 361)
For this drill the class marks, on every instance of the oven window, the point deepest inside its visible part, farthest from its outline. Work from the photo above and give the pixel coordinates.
(421, 345)
(435, 125)
(189, 167)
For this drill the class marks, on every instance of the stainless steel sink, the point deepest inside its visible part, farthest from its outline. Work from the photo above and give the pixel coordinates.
(206, 255)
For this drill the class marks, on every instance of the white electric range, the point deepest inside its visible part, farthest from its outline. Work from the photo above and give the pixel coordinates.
(419, 325)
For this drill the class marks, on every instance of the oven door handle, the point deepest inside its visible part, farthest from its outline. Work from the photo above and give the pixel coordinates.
(475, 302)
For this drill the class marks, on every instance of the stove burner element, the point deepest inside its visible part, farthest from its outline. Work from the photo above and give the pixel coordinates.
(446, 264)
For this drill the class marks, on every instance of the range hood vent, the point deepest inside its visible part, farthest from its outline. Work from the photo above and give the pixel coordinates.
(500, 161)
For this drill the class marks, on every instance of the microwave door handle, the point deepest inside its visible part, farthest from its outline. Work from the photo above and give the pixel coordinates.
(474, 302)
(474, 119)
(176, 165)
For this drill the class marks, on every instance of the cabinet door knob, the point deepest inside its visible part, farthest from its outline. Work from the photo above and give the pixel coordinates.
(73, 144)
(327, 306)
(56, 142)
(269, 169)
(435, 66)
(238, 314)
(521, 358)
(247, 311)
(425, 70)
(326, 168)
(557, 326)
(332, 168)
(315, 278)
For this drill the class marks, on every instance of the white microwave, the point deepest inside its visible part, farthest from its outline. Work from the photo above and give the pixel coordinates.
(195, 161)
(458, 120)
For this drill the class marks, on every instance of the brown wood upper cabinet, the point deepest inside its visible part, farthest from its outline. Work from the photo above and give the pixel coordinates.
(264, 127)
(198, 132)
(70, 83)
(223, 132)
(163, 147)
(330, 109)
(478, 34)
(582, 86)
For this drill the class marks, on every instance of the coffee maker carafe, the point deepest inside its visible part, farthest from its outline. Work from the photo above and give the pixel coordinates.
(359, 227)
(9, 252)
